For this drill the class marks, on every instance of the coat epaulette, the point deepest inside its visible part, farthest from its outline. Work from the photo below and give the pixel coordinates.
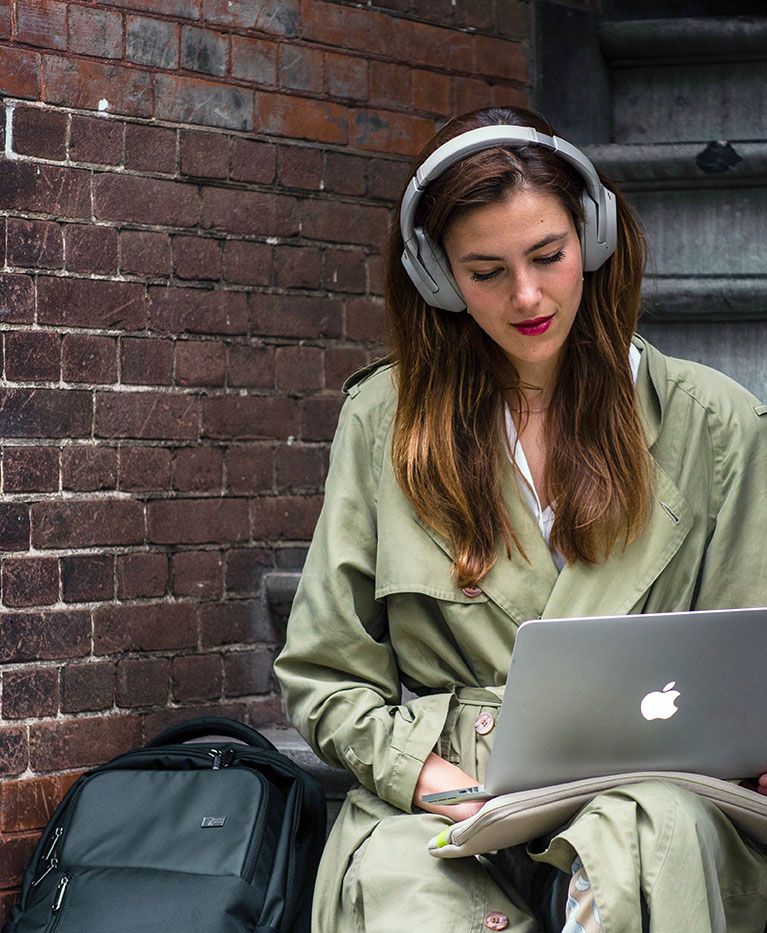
(354, 382)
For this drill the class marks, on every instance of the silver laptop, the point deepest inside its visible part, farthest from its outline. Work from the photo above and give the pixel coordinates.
(676, 691)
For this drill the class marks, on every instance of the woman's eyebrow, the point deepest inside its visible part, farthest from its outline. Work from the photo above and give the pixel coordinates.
(475, 257)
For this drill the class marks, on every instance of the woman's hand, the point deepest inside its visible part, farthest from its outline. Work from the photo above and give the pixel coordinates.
(440, 775)
(761, 785)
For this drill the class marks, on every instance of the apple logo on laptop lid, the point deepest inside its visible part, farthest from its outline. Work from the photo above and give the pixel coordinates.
(660, 704)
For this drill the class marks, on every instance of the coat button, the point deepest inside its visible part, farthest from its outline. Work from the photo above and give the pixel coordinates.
(495, 920)
(482, 725)
(472, 590)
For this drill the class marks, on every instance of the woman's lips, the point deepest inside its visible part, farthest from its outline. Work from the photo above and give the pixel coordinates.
(536, 325)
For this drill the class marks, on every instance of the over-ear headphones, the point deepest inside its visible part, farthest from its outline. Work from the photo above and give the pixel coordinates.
(425, 261)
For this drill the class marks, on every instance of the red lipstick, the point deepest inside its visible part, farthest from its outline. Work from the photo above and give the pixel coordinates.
(534, 326)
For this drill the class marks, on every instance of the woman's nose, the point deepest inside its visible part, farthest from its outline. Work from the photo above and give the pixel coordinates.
(525, 294)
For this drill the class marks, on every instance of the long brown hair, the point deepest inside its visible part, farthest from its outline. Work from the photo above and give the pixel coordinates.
(449, 447)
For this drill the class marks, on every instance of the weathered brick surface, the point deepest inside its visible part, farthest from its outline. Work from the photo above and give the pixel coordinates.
(194, 198)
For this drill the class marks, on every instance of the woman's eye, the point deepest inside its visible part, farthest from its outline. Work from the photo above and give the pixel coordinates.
(483, 276)
(557, 257)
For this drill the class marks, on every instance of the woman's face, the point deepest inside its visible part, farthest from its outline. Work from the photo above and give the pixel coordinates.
(518, 266)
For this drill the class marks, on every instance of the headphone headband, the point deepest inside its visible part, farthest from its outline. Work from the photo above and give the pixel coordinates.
(426, 263)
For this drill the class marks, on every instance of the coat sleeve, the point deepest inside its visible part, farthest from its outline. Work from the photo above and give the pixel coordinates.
(338, 671)
(734, 570)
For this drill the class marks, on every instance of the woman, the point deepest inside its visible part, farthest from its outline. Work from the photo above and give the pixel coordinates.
(528, 456)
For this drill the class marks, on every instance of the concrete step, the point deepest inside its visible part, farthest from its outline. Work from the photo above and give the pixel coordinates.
(687, 79)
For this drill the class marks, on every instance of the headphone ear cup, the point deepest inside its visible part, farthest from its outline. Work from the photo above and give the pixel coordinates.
(429, 271)
(593, 253)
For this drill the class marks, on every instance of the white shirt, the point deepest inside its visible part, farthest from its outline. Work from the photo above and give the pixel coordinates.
(545, 517)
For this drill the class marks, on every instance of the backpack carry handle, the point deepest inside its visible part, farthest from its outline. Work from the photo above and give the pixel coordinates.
(215, 726)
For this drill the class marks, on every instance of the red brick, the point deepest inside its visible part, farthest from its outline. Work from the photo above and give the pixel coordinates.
(143, 682)
(245, 417)
(253, 161)
(198, 469)
(14, 751)
(81, 83)
(364, 319)
(14, 526)
(179, 9)
(81, 742)
(198, 574)
(299, 469)
(249, 470)
(280, 517)
(95, 32)
(91, 248)
(44, 636)
(197, 311)
(387, 131)
(204, 154)
(340, 363)
(319, 417)
(252, 213)
(17, 299)
(15, 853)
(45, 413)
(200, 363)
(146, 361)
(295, 316)
(301, 167)
(209, 103)
(204, 50)
(86, 523)
(387, 179)
(46, 189)
(265, 711)
(236, 622)
(254, 60)
(32, 356)
(30, 694)
(30, 581)
(390, 84)
(432, 92)
(299, 369)
(301, 68)
(162, 719)
(150, 148)
(97, 139)
(196, 257)
(87, 577)
(297, 266)
(376, 275)
(197, 521)
(248, 672)
(28, 803)
(19, 73)
(142, 574)
(30, 469)
(150, 415)
(145, 253)
(144, 200)
(504, 96)
(89, 358)
(245, 569)
(278, 17)
(247, 263)
(35, 244)
(197, 677)
(148, 627)
(40, 132)
(251, 365)
(345, 174)
(427, 45)
(91, 303)
(346, 27)
(87, 687)
(87, 468)
(301, 118)
(355, 223)
(152, 42)
(347, 76)
(498, 58)
(344, 271)
(145, 468)
(42, 22)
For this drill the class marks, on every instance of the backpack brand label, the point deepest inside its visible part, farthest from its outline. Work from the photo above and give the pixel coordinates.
(210, 822)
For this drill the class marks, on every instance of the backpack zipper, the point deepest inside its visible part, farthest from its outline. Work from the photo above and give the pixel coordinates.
(49, 857)
(222, 757)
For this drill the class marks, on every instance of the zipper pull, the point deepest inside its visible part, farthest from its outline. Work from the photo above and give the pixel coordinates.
(56, 836)
(222, 757)
(54, 863)
(215, 754)
(60, 893)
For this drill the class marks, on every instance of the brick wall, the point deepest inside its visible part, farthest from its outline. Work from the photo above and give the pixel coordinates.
(194, 196)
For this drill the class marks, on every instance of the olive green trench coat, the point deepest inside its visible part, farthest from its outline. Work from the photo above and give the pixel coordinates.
(376, 607)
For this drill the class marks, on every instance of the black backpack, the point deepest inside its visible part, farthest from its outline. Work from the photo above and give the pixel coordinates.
(220, 835)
